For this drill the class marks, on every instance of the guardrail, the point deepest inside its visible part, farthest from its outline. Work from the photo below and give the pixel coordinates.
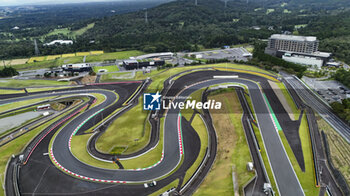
(311, 122)
(15, 179)
(259, 154)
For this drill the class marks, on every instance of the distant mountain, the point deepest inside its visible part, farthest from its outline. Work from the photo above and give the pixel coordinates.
(181, 25)
(174, 26)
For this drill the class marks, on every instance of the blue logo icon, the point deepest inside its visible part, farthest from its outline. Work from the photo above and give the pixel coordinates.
(151, 101)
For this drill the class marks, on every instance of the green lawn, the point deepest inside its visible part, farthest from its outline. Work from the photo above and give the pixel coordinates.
(113, 56)
(122, 134)
(30, 83)
(39, 65)
(69, 33)
(79, 150)
(233, 152)
(31, 90)
(268, 11)
(151, 157)
(3, 92)
(111, 68)
(82, 30)
(64, 31)
(286, 11)
(307, 178)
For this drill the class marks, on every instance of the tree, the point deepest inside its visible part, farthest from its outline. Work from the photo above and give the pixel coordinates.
(8, 72)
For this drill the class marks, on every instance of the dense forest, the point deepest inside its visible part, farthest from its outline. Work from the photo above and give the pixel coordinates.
(269, 62)
(334, 33)
(179, 26)
(342, 109)
(343, 77)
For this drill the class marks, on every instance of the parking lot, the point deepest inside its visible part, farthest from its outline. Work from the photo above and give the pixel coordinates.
(329, 90)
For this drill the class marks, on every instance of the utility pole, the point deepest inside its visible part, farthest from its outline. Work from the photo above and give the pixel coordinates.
(226, 3)
(146, 15)
(195, 2)
(37, 52)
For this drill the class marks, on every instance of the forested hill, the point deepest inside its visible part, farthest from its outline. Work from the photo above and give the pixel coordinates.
(182, 25)
(334, 33)
(175, 26)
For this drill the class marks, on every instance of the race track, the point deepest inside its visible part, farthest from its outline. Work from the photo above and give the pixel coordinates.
(61, 155)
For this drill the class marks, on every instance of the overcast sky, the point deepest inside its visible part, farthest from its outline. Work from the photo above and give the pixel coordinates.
(24, 2)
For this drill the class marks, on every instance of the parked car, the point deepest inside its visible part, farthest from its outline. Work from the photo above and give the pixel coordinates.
(150, 184)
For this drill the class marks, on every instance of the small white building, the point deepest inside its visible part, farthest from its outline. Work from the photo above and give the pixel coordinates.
(77, 67)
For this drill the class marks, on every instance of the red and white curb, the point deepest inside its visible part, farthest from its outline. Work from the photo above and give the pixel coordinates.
(179, 130)
(273, 121)
(117, 181)
(80, 125)
(80, 176)
(95, 84)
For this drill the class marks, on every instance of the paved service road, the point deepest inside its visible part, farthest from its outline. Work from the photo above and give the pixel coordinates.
(325, 111)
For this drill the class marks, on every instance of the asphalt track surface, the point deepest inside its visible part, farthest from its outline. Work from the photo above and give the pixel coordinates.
(286, 180)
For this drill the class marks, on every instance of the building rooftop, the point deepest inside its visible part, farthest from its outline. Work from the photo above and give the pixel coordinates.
(293, 37)
(315, 54)
(128, 61)
(153, 55)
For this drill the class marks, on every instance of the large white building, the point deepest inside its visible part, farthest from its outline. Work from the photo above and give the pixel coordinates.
(60, 42)
(293, 43)
(297, 49)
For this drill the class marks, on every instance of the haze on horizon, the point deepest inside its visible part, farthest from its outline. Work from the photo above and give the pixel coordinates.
(41, 2)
